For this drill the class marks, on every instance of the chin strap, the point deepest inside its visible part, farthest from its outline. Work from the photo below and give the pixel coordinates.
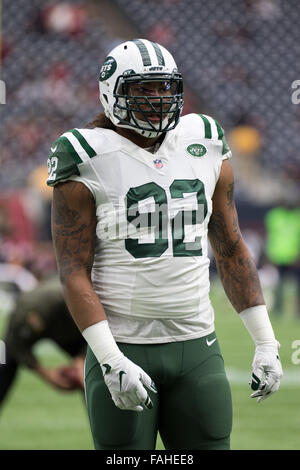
(151, 132)
(145, 133)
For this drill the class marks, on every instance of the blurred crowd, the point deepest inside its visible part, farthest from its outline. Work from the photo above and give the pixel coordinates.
(50, 51)
(238, 60)
(239, 57)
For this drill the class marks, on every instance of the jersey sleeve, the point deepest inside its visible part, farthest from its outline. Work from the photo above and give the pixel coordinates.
(226, 152)
(62, 162)
(215, 132)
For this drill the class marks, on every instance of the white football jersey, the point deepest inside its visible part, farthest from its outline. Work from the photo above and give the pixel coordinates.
(151, 268)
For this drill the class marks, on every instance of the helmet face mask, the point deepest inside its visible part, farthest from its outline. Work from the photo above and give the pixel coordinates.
(136, 104)
(148, 97)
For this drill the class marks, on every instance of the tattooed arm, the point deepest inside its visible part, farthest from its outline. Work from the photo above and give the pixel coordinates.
(73, 231)
(234, 262)
(241, 283)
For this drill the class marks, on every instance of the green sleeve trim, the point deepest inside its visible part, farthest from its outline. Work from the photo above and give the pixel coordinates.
(83, 142)
(221, 136)
(64, 174)
(220, 131)
(207, 127)
(225, 148)
(62, 162)
(70, 149)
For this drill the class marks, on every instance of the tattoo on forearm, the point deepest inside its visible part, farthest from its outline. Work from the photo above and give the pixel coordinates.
(73, 238)
(241, 282)
(222, 242)
(235, 265)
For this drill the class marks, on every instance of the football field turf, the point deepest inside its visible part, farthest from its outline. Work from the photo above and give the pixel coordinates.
(36, 416)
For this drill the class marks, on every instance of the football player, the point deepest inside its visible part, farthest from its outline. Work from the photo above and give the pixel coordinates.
(136, 195)
(41, 313)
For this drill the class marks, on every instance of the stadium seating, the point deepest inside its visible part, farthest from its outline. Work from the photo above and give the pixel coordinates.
(239, 58)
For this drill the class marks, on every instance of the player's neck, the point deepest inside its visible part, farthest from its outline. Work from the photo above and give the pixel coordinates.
(138, 139)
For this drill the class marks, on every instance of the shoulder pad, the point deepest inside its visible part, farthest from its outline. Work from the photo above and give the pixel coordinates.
(207, 128)
(213, 130)
(70, 150)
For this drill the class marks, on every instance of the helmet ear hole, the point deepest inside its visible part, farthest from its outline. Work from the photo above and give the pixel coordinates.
(105, 96)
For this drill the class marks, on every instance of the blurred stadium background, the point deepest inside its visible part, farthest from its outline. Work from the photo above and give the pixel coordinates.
(239, 59)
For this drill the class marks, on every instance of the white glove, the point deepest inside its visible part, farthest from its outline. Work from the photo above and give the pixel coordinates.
(266, 364)
(125, 381)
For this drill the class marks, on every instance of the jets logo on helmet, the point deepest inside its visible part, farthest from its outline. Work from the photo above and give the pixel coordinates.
(107, 69)
(126, 88)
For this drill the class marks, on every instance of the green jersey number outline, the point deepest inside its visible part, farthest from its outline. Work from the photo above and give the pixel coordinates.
(183, 218)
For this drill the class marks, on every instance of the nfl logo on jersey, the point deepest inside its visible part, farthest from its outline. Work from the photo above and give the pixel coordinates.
(158, 163)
